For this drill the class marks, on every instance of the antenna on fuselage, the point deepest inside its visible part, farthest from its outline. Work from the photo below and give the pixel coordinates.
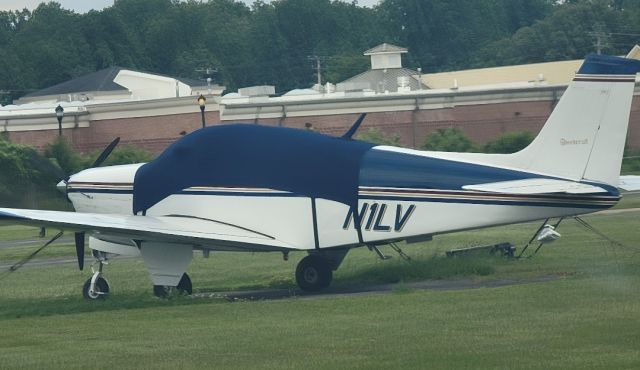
(349, 134)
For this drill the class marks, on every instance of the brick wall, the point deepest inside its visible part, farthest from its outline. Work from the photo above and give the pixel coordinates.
(150, 133)
(480, 122)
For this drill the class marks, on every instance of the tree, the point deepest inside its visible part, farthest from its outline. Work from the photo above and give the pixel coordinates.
(377, 137)
(270, 43)
(128, 155)
(448, 140)
(442, 34)
(510, 142)
(568, 33)
(28, 179)
(65, 157)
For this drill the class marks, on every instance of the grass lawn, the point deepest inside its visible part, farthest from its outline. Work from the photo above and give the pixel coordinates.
(629, 200)
(587, 317)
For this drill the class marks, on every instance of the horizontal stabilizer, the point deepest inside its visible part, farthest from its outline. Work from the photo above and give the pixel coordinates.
(158, 229)
(536, 186)
(629, 182)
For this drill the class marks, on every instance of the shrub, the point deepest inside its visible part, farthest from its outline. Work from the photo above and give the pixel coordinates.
(448, 140)
(128, 155)
(377, 137)
(509, 142)
(26, 177)
(64, 156)
(631, 161)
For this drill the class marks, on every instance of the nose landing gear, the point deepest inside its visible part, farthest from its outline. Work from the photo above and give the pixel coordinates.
(96, 287)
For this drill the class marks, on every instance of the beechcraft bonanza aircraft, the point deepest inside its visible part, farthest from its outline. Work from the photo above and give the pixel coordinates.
(253, 188)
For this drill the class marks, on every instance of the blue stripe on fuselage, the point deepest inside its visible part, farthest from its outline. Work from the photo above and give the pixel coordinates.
(387, 169)
(549, 203)
(382, 168)
(557, 201)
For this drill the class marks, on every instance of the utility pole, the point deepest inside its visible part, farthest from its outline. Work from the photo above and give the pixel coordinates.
(598, 43)
(208, 72)
(318, 67)
(4, 93)
(600, 37)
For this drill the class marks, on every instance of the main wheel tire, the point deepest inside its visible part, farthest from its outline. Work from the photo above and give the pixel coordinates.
(101, 289)
(184, 287)
(313, 273)
(161, 291)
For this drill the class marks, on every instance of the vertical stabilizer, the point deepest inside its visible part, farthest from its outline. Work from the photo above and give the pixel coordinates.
(584, 137)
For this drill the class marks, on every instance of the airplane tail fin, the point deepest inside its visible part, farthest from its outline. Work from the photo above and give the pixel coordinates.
(584, 137)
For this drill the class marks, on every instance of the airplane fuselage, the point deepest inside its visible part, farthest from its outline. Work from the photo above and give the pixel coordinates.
(399, 194)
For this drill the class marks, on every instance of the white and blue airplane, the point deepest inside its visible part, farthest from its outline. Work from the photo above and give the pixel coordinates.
(253, 188)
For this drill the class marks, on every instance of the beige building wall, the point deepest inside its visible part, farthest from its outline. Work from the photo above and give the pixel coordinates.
(552, 73)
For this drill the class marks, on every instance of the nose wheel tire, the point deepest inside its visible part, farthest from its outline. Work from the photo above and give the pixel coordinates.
(313, 273)
(100, 291)
(184, 288)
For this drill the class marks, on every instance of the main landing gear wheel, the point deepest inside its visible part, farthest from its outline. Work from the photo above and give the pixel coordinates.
(313, 273)
(184, 288)
(100, 291)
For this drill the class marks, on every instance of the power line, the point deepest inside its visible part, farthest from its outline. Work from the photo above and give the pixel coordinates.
(602, 37)
(208, 71)
(318, 66)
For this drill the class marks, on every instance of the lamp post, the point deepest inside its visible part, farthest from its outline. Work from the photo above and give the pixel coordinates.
(59, 115)
(201, 101)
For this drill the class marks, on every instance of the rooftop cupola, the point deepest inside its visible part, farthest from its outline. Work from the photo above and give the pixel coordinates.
(386, 56)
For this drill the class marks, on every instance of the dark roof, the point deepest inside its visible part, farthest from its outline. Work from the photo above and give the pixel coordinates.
(192, 82)
(381, 80)
(97, 81)
(100, 81)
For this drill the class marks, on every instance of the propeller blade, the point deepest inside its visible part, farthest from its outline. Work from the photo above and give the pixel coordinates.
(105, 153)
(80, 249)
(349, 134)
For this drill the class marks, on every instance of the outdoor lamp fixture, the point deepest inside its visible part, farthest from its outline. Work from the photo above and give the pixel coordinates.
(201, 101)
(59, 115)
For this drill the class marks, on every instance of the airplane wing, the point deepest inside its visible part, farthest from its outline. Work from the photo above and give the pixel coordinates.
(536, 186)
(167, 229)
(629, 182)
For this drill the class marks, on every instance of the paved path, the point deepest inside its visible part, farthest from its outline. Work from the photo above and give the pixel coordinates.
(617, 211)
(458, 284)
(65, 239)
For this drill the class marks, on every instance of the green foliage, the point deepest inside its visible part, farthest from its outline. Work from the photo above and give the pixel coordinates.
(377, 137)
(70, 161)
(567, 33)
(448, 140)
(631, 162)
(440, 34)
(509, 142)
(578, 294)
(270, 43)
(26, 178)
(128, 155)
(62, 154)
